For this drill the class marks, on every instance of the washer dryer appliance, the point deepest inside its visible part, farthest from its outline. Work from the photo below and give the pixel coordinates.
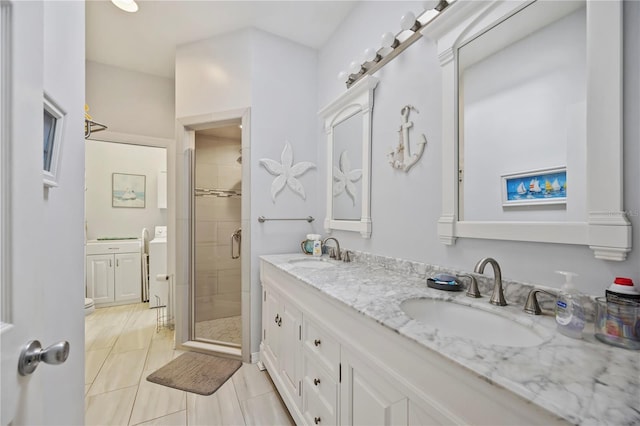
(158, 266)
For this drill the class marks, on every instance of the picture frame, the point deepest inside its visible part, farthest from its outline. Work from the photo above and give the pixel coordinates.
(128, 190)
(536, 187)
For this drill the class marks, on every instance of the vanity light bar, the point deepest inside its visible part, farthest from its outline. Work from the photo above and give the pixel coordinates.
(397, 46)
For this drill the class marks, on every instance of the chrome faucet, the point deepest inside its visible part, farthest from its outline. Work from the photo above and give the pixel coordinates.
(335, 253)
(497, 297)
(472, 290)
(531, 306)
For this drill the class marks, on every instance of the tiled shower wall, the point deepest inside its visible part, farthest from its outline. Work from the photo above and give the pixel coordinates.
(217, 276)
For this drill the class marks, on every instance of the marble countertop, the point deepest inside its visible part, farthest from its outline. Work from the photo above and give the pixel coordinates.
(584, 381)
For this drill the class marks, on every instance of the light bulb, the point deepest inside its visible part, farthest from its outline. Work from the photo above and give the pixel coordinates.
(371, 55)
(430, 4)
(354, 67)
(389, 40)
(342, 76)
(126, 5)
(408, 21)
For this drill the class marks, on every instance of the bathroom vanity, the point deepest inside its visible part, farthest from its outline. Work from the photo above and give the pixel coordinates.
(113, 272)
(341, 349)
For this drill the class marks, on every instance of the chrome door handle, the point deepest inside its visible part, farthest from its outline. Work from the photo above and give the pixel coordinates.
(32, 353)
(236, 236)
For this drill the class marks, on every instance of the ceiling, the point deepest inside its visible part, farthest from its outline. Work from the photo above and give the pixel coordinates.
(145, 41)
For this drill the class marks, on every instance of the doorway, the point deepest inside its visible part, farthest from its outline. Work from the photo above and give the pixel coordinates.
(138, 159)
(198, 257)
(217, 241)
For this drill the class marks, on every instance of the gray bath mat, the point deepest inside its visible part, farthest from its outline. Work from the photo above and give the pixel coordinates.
(195, 372)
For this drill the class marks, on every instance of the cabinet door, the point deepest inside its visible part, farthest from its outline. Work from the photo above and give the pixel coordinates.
(368, 398)
(99, 277)
(290, 352)
(270, 319)
(128, 281)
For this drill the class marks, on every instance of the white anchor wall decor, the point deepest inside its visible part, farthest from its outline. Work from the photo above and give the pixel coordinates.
(401, 157)
(286, 172)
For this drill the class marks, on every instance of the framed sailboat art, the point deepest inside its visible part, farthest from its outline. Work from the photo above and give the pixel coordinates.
(128, 190)
(543, 186)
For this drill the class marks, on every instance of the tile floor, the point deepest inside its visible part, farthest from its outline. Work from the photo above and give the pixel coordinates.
(122, 348)
(223, 330)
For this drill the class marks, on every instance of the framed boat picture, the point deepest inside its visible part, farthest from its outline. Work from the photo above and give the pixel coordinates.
(128, 190)
(543, 186)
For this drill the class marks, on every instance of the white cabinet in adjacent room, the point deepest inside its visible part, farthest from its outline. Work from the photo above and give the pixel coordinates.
(113, 272)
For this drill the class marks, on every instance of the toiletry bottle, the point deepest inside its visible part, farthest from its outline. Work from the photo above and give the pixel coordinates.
(317, 245)
(569, 312)
(622, 288)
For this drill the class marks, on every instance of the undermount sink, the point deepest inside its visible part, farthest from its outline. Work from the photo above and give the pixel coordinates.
(452, 319)
(312, 262)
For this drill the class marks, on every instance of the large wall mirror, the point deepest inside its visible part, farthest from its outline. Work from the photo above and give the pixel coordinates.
(347, 123)
(532, 123)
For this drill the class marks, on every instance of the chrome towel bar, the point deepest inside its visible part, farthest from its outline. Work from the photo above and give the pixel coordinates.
(309, 219)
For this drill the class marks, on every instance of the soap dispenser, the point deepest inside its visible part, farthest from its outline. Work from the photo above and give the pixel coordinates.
(569, 311)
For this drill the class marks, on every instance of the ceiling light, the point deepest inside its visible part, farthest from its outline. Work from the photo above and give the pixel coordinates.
(126, 5)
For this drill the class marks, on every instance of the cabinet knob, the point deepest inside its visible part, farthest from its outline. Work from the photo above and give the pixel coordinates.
(317, 420)
(277, 318)
(317, 342)
(280, 322)
(316, 382)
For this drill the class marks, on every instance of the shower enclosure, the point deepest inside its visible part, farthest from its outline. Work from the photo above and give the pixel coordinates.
(216, 293)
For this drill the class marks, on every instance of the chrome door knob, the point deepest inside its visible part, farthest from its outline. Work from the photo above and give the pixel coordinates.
(32, 354)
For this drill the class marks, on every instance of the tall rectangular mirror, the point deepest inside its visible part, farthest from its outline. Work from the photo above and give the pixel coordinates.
(347, 123)
(532, 123)
(522, 100)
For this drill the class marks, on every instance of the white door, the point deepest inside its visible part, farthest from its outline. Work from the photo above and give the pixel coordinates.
(41, 253)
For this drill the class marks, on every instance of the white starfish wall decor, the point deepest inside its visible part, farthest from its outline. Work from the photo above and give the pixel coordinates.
(345, 178)
(286, 172)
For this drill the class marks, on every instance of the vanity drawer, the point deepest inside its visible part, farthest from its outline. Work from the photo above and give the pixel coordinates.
(321, 347)
(319, 394)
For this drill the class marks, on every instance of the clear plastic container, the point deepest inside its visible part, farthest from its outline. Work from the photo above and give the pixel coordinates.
(618, 322)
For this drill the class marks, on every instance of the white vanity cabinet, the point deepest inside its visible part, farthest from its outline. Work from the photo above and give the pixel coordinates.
(357, 371)
(113, 272)
(321, 374)
(282, 333)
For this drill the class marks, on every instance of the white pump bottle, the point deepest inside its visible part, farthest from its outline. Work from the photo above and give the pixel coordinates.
(569, 311)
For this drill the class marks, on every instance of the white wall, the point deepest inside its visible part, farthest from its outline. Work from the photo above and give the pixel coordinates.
(283, 108)
(213, 75)
(102, 160)
(130, 102)
(276, 79)
(406, 207)
(63, 239)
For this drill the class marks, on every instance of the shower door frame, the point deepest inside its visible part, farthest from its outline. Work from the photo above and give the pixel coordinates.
(185, 249)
